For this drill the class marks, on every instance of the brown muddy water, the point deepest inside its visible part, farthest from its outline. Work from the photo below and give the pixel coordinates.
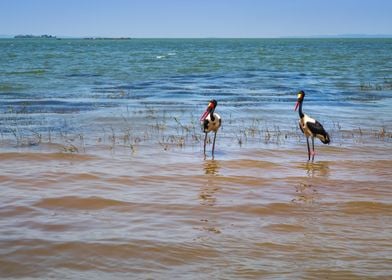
(155, 212)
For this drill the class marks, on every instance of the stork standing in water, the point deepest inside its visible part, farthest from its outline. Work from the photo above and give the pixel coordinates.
(310, 127)
(210, 121)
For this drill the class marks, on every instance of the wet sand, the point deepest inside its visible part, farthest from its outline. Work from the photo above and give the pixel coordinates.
(165, 212)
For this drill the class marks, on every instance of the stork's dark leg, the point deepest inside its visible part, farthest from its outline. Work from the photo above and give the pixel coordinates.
(213, 145)
(205, 142)
(307, 142)
(313, 152)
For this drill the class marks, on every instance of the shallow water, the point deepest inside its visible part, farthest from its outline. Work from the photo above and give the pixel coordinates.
(250, 214)
(103, 176)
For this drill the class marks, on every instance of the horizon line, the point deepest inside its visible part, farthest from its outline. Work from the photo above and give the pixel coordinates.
(342, 36)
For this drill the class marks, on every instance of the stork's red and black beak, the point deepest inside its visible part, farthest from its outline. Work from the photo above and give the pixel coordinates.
(210, 108)
(296, 106)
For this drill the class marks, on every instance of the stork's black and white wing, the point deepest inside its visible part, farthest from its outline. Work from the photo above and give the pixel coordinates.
(318, 131)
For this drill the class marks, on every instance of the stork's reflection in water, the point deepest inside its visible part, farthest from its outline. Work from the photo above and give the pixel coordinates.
(208, 197)
(319, 169)
(307, 190)
(209, 189)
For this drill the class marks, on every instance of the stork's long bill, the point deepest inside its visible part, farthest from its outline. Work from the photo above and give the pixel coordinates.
(296, 106)
(210, 107)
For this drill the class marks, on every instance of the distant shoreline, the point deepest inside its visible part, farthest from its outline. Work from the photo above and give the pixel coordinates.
(45, 36)
(344, 36)
(29, 36)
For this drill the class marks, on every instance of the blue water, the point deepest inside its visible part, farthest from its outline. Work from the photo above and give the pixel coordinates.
(80, 85)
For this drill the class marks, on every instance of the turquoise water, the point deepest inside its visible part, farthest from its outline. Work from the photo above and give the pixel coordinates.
(75, 85)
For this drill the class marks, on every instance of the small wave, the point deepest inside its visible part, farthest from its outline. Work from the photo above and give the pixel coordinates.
(28, 72)
(277, 246)
(45, 156)
(214, 87)
(34, 256)
(80, 203)
(285, 228)
(248, 163)
(82, 75)
(11, 211)
(84, 177)
(366, 207)
(11, 89)
(40, 106)
(50, 227)
(270, 209)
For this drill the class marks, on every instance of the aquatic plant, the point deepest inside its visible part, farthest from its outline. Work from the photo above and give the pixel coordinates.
(168, 132)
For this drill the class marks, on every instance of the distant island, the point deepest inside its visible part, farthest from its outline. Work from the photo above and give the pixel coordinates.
(45, 36)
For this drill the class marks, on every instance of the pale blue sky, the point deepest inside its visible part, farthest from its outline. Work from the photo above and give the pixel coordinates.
(195, 18)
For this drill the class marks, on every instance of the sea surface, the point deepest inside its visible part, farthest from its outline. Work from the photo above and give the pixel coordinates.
(102, 172)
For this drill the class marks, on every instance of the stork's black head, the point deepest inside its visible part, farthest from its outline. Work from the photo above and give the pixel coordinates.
(214, 103)
(301, 96)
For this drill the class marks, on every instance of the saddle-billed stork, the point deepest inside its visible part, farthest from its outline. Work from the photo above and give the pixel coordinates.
(310, 127)
(210, 121)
